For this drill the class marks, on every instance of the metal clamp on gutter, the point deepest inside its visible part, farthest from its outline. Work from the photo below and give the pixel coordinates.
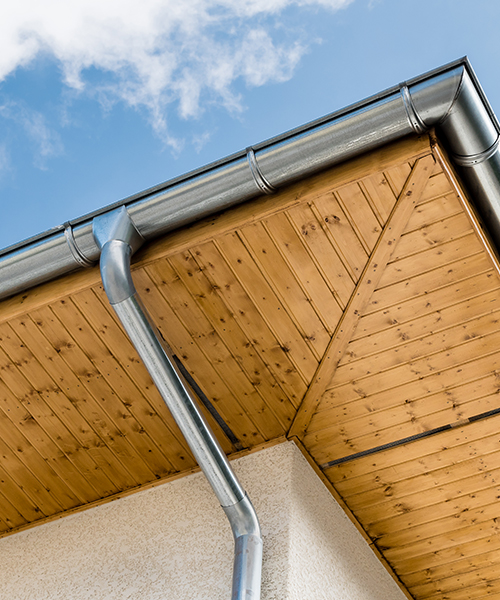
(414, 119)
(260, 181)
(118, 239)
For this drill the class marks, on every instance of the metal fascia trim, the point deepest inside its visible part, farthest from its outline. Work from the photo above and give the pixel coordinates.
(413, 117)
(260, 181)
(77, 254)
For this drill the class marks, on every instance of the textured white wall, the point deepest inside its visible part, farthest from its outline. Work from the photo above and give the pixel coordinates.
(174, 542)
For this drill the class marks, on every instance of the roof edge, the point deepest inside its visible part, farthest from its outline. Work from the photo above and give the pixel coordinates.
(449, 99)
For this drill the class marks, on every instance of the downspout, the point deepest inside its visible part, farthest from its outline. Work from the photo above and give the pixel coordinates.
(118, 239)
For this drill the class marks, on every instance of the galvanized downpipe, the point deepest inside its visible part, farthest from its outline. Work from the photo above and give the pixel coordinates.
(118, 239)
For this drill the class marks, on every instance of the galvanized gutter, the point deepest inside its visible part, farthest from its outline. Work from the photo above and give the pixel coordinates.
(448, 99)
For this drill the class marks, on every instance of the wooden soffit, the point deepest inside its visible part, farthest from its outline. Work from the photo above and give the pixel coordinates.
(355, 311)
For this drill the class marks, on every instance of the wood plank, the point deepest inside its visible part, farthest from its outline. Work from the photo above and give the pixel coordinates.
(468, 563)
(486, 588)
(445, 556)
(410, 348)
(429, 260)
(13, 497)
(438, 186)
(251, 321)
(319, 243)
(329, 211)
(286, 287)
(413, 520)
(23, 461)
(361, 215)
(55, 413)
(41, 425)
(148, 433)
(366, 284)
(433, 458)
(463, 310)
(271, 411)
(453, 585)
(411, 500)
(430, 235)
(438, 527)
(482, 471)
(263, 297)
(77, 408)
(343, 440)
(380, 196)
(466, 356)
(460, 443)
(420, 285)
(94, 305)
(433, 301)
(292, 247)
(433, 211)
(459, 539)
(448, 169)
(397, 176)
(402, 421)
(22, 476)
(196, 362)
(213, 347)
(111, 415)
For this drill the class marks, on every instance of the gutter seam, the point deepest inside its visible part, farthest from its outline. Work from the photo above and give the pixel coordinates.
(77, 254)
(414, 119)
(476, 159)
(260, 180)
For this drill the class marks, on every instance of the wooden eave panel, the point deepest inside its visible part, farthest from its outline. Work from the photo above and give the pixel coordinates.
(377, 264)
(424, 356)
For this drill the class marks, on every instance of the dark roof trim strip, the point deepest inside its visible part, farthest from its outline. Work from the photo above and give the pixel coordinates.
(449, 99)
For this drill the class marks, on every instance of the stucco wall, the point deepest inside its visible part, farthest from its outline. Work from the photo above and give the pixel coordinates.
(173, 542)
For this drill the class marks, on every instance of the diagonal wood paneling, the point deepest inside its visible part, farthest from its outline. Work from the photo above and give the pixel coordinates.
(341, 304)
(424, 357)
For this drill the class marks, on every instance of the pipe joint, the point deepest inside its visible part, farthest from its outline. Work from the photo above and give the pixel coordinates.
(77, 254)
(116, 225)
(243, 518)
(118, 239)
(258, 176)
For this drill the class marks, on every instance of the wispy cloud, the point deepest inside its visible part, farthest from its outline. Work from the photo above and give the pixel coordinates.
(5, 164)
(155, 53)
(46, 141)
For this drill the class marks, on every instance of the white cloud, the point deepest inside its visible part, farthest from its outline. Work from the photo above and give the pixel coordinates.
(153, 53)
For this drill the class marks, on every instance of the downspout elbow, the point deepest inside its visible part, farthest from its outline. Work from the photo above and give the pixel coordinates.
(115, 271)
(247, 550)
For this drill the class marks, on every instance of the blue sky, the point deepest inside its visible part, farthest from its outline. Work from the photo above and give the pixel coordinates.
(102, 99)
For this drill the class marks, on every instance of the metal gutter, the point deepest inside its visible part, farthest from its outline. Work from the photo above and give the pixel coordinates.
(118, 239)
(448, 99)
